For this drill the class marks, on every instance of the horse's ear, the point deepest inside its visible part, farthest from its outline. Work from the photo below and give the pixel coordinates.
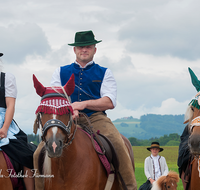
(195, 80)
(70, 85)
(186, 121)
(40, 89)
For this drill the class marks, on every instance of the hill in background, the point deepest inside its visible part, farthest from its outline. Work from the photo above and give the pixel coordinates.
(150, 125)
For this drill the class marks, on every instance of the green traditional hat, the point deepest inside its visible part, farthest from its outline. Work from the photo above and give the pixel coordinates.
(84, 38)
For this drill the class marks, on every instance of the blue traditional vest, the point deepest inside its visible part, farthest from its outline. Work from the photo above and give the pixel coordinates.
(87, 82)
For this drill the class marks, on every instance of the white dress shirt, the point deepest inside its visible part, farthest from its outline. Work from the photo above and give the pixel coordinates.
(157, 166)
(10, 86)
(149, 167)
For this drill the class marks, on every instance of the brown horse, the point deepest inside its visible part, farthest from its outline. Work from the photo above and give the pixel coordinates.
(5, 181)
(69, 156)
(168, 182)
(191, 177)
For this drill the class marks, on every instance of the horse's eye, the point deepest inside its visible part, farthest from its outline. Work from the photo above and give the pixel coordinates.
(168, 187)
(192, 108)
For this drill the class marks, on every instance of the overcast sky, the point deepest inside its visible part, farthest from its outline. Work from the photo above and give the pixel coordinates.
(147, 44)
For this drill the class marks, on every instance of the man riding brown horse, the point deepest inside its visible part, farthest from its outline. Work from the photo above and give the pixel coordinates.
(95, 92)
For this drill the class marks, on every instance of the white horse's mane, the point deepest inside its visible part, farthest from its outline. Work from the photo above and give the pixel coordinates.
(155, 186)
(189, 114)
(47, 164)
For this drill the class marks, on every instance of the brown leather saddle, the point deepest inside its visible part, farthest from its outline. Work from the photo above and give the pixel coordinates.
(106, 147)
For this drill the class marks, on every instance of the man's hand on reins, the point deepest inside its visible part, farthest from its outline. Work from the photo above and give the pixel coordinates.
(75, 115)
(77, 106)
(151, 180)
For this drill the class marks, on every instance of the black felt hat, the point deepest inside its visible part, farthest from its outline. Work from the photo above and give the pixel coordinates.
(155, 145)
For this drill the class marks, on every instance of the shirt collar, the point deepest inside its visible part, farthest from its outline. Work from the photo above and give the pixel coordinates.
(89, 63)
(155, 157)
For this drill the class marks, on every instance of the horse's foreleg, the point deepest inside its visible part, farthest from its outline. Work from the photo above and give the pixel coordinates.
(183, 181)
(5, 182)
(29, 180)
(39, 182)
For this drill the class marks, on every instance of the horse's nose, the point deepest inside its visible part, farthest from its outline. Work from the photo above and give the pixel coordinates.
(58, 145)
(194, 143)
(61, 143)
(48, 146)
(54, 145)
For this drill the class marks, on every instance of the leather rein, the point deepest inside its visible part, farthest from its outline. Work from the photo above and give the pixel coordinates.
(57, 123)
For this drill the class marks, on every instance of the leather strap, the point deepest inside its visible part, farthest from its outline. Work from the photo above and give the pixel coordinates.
(110, 181)
(93, 133)
(52, 95)
(2, 79)
(90, 128)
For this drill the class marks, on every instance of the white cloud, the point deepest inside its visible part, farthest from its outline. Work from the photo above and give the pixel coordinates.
(169, 106)
(161, 32)
(148, 45)
(22, 40)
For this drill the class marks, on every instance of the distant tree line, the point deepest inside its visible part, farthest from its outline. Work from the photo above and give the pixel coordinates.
(33, 138)
(166, 140)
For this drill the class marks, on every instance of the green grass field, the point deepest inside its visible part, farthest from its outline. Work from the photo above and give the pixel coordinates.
(140, 153)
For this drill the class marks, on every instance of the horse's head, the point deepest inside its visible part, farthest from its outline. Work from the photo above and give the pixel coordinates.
(168, 182)
(54, 116)
(192, 117)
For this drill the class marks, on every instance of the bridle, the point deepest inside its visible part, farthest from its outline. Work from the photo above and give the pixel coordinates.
(195, 123)
(57, 123)
(165, 185)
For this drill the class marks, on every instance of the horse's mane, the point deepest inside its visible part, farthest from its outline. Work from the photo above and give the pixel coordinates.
(189, 114)
(164, 179)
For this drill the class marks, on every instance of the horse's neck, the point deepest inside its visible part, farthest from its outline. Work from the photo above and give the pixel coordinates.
(78, 165)
(195, 182)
